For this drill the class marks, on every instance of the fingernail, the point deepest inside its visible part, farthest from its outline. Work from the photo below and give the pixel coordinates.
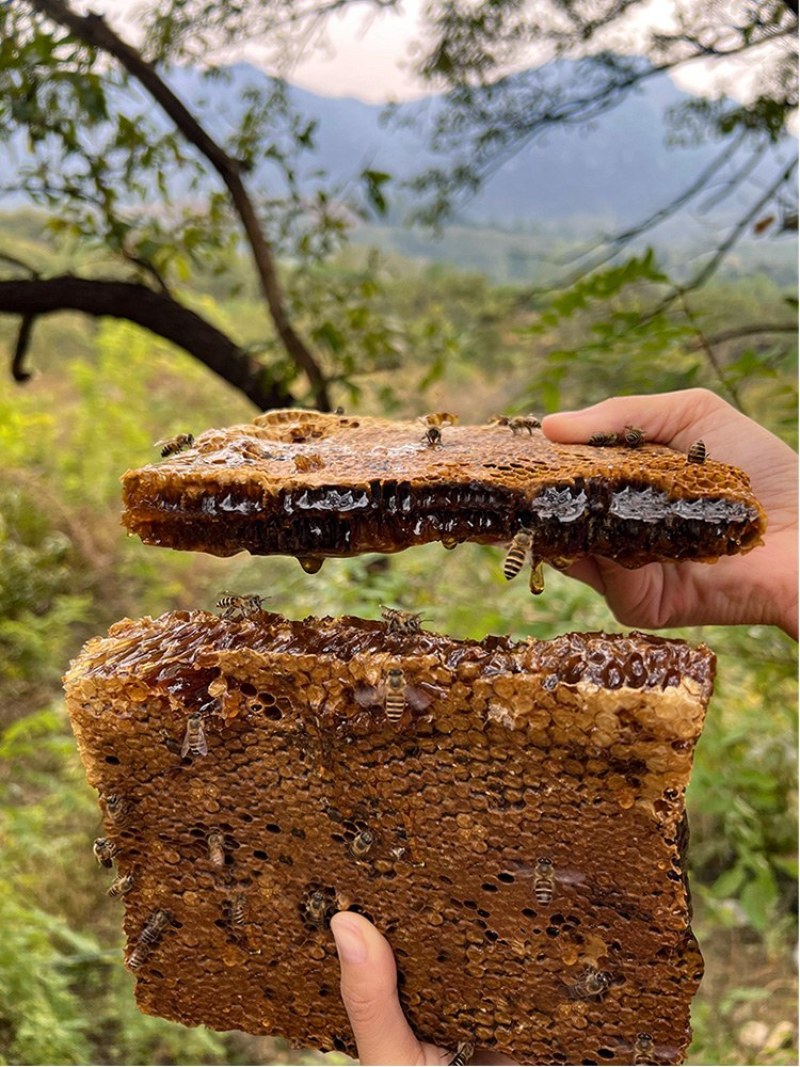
(349, 943)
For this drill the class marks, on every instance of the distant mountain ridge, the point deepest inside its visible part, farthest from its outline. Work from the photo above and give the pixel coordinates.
(616, 171)
(612, 174)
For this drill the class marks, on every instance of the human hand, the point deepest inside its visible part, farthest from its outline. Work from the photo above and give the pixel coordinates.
(369, 992)
(760, 587)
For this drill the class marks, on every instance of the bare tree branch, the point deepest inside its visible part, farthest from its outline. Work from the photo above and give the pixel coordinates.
(148, 268)
(93, 30)
(704, 344)
(754, 330)
(729, 186)
(18, 371)
(19, 264)
(32, 297)
(703, 275)
(615, 243)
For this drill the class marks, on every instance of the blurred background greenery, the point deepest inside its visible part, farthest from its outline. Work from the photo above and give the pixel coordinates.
(106, 392)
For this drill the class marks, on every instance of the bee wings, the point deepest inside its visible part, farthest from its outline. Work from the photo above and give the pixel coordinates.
(563, 875)
(369, 696)
(419, 696)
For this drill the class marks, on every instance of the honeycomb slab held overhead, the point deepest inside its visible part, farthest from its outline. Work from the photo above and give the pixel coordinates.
(510, 815)
(314, 485)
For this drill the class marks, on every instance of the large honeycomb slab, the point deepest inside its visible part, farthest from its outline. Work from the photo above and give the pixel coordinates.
(313, 485)
(517, 832)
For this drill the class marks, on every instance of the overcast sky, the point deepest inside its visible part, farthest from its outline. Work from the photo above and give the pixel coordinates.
(368, 54)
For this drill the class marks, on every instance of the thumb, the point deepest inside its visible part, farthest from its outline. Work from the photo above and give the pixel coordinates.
(369, 992)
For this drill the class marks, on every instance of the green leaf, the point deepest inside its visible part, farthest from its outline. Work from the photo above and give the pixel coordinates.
(375, 180)
(758, 898)
(729, 882)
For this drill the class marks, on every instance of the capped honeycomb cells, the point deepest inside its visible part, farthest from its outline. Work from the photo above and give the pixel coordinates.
(313, 485)
(519, 839)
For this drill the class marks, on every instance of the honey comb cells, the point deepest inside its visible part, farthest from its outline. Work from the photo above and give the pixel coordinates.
(314, 485)
(519, 837)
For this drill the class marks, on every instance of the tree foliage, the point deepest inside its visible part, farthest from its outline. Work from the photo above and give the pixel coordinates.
(106, 131)
(512, 70)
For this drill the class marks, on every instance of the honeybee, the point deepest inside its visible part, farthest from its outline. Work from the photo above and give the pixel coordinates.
(172, 445)
(401, 622)
(394, 702)
(536, 581)
(697, 453)
(311, 462)
(361, 844)
(395, 694)
(194, 741)
(339, 410)
(216, 848)
(644, 1049)
(464, 1052)
(499, 420)
(117, 808)
(104, 851)
(237, 907)
(517, 553)
(438, 419)
(240, 605)
(546, 877)
(121, 885)
(544, 880)
(591, 985)
(432, 437)
(316, 908)
(603, 439)
(524, 422)
(151, 933)
(343, 901)
(633, 437)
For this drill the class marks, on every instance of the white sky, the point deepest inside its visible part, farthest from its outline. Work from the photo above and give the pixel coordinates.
(368, 54)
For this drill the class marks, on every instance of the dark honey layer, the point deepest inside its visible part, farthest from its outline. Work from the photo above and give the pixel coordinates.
(517, 833)
(178, 644)
(372, 486)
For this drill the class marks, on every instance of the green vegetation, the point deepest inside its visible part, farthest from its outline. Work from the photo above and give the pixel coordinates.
(105, 393)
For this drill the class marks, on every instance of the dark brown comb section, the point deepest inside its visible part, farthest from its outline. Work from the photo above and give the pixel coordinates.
(313, 485)
(511, 817)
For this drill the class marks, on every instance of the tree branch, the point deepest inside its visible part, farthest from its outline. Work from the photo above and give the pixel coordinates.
(703, 344)
(157, 312)
(19, 264)
(93, 30)
(18, 371)
(613, 244)
(511, 133)
(710, 268)
(747, 331)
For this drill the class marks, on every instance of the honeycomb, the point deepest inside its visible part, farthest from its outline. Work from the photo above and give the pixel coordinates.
(517, 831)
(313, 485)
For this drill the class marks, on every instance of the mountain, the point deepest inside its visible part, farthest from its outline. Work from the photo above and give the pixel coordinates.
(614, 171)
(567, 185)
